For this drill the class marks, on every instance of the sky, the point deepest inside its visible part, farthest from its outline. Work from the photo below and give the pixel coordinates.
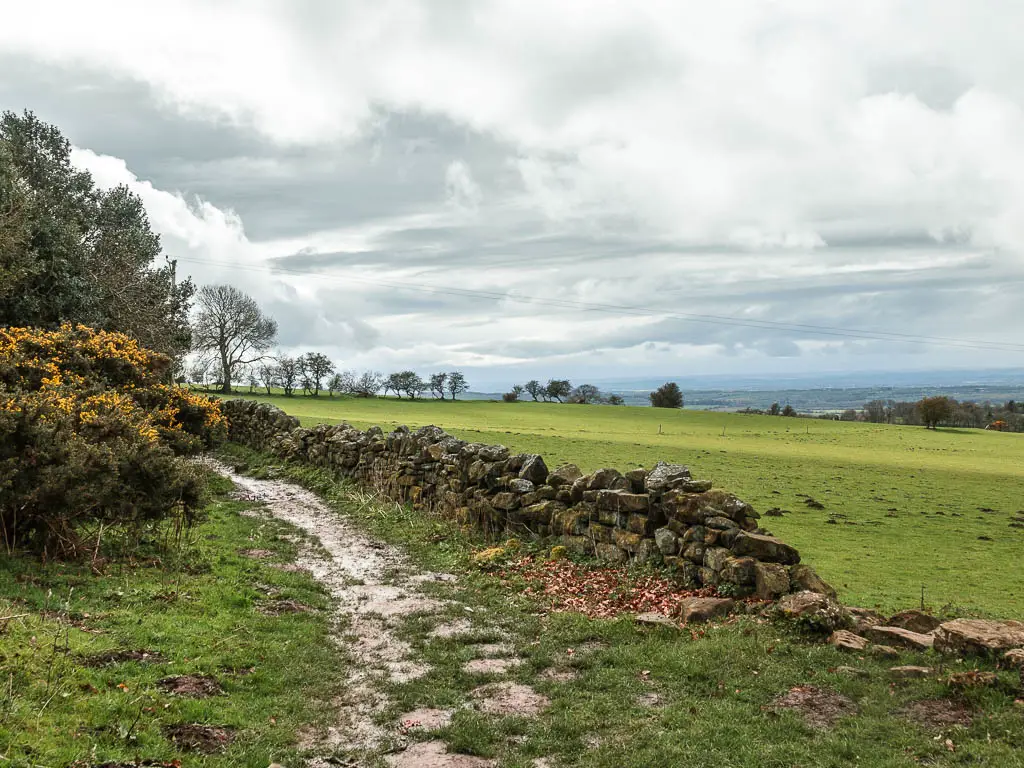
(589, 190)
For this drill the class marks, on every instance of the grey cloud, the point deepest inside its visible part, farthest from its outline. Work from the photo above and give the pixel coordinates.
(119, 117)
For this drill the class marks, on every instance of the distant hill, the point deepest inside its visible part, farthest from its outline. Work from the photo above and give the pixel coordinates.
(819, 392)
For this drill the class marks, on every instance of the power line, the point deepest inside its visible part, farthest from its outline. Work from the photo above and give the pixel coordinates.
(820, 330)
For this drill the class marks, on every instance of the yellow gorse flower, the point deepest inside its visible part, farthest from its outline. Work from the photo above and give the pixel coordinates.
(96, 376)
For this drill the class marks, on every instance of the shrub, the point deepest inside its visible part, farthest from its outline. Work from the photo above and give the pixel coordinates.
(668, 395)
(91, 437)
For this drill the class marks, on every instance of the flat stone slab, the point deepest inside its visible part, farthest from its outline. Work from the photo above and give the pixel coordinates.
(915, 621)
(700, 609)
(651, 618)
(1014, 658)
(847, 641)
(900, 637)
(978, 637)
(883, 651)
(650, 700)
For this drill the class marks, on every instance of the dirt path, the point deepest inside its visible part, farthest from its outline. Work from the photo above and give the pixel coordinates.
(361, 576)
(374, 589)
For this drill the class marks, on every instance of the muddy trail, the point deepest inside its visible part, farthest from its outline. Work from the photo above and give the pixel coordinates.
(374, 589)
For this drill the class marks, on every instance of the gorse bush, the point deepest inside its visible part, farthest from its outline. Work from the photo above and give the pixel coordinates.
(91, 437)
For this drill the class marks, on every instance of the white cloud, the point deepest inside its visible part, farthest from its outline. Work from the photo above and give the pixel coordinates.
(754, 123)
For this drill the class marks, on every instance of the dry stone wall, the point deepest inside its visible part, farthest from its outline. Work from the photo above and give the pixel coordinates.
(709, 537)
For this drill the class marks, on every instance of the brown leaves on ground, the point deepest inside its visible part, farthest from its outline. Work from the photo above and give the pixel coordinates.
(600, 591)
(820, 708)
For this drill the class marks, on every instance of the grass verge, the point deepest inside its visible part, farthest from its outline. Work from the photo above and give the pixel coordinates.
(75, 691)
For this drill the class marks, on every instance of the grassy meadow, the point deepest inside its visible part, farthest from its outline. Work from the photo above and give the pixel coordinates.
(905, 508)
(76, 691)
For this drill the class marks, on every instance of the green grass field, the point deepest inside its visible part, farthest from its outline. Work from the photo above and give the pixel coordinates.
(196, 609)
(904, 508)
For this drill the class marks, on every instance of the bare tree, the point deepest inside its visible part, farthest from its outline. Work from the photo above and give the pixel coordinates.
(558, 388)
(457, 383)
(410, 383)
(585, 394)
(287, 374)
(230, 325)
(875, 411)
(437, 384)
(336, 383)
(317, 367)
(198, 372)
(367, 385)
(268, 373)
(393, 383)
(535, 388)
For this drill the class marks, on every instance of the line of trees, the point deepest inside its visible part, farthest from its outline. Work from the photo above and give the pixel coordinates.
(313, 373)
(441, 386)
(233, 337)
(929, 412)
(941, 411)
(561, 391)
(780, 410)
